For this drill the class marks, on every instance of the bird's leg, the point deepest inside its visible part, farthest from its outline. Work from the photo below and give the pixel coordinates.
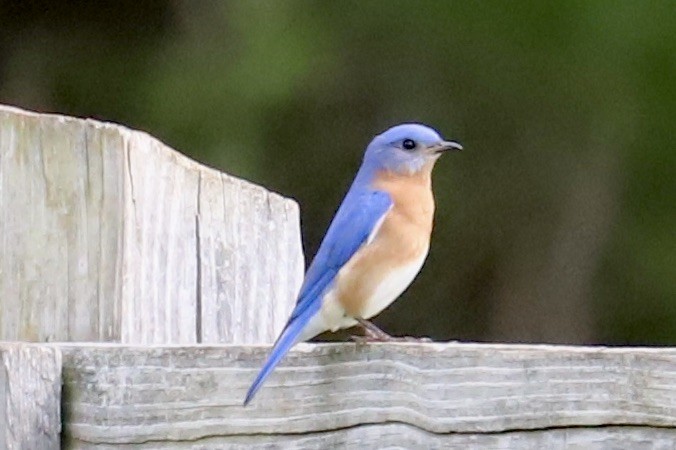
(371, 333)
(374, 334)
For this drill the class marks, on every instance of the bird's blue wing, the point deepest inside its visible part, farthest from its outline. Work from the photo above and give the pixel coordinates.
(350, 228)
(355, 220)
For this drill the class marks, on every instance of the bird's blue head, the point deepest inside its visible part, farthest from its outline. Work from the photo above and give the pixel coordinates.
(407, 148)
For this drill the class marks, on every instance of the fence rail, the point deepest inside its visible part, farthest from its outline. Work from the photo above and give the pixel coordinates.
(412, 395)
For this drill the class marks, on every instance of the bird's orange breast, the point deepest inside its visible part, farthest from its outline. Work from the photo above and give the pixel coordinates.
(402, 240)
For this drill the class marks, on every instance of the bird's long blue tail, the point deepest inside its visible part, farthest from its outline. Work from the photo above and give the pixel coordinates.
(286, 340)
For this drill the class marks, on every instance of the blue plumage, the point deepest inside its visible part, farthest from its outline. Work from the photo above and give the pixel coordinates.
(350, 228)
(403, 149)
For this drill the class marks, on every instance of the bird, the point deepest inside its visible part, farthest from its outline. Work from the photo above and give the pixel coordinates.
(375, 245)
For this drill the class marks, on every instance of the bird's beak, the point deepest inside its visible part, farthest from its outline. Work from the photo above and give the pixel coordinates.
(445, 146)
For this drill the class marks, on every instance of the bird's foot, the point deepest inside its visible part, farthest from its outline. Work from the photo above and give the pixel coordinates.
(374, 334)
(359, 340)
(363, 340)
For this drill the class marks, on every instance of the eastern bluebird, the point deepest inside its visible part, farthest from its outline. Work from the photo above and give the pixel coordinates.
(375, 245)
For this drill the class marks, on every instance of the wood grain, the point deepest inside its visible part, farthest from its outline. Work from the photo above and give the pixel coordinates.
(106, 234)
(401, 436)
(30, 396)
(436, 395)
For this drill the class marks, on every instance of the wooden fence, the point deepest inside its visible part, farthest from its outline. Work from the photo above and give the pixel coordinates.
(164, 282)
(109, 235)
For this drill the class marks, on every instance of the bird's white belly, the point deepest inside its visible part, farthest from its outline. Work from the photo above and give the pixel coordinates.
(392, 286)
(333, 315)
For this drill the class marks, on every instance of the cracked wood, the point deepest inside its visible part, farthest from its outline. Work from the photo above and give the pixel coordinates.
(110, 235)
(431, 394)
(30, 396)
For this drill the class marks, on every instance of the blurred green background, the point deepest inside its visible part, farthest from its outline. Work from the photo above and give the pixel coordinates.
(557, 224)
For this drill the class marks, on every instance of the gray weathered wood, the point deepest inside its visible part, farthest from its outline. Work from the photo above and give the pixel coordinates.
(402, 436)
(30, 396)
(106, 234)
(424, 395)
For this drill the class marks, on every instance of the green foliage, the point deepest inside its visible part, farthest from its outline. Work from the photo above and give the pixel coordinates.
(556, 224)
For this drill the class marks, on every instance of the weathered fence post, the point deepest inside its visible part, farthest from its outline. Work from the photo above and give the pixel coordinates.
(106, 234)
(30, 396)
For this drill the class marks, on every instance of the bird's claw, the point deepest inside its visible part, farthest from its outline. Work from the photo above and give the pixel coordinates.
(359, 340)
(374, 334)
(363, 340)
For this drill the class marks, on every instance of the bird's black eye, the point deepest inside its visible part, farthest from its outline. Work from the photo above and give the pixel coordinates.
(408, 144)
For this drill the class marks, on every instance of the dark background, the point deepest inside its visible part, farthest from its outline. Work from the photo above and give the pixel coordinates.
(557, 224)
